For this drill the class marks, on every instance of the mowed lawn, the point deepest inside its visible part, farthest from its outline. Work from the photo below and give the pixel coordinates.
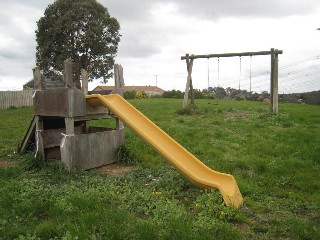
(274, 158)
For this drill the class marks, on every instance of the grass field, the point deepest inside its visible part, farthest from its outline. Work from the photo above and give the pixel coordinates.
(275, 160)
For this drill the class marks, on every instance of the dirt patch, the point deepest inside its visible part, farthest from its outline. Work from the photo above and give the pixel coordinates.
(4, 163)
(116, 169)
(232, 115)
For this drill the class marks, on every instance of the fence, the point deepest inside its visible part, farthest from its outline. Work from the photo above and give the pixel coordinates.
(10, 99)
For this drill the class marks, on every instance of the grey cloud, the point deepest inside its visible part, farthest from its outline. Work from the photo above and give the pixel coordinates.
(7, 54)
(36, 4)
(137, 48)
(214, 9)
(131, 11)
(143, 38)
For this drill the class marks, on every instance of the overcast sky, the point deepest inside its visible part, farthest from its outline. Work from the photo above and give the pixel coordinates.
(155, 34)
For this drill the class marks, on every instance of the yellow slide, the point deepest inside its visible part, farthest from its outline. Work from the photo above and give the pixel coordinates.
(197, 172)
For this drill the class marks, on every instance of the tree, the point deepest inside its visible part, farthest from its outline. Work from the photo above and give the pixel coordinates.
(79, 29)
(173, 94)
(219, 92)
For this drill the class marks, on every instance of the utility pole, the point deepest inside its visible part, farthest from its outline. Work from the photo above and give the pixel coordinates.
(156, 80)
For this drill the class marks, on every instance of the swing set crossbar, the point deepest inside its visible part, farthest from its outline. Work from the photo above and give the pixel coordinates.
(276, 51)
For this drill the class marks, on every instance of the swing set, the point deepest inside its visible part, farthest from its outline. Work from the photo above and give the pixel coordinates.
(273, 74)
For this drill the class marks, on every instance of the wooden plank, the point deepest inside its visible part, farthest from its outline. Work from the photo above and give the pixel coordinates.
(30, 134)
(92, 150)
(240, 54)
(52, 137)
(60, 102)
(53, 84)
(82, 152)
(94, 117)
(53, 152)
(77, 103)
(96, 110)
(67, 152)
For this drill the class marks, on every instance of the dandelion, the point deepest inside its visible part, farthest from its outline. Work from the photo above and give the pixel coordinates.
(222, 214)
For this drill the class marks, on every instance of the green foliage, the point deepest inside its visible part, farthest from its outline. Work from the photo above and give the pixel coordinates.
(129, 94)
(81, 30)
(197, 94)
(141, 95)
(307, 97)
(173, 94)
(32, 162)
(125, 155)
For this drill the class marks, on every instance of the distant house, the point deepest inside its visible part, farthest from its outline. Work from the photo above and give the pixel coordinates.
(149, 90)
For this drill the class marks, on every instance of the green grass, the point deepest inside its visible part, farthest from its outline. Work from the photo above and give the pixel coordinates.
(274, 158)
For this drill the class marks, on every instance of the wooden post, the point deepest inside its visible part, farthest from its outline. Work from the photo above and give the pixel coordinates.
(68, 73)
(69, 122)
(192, 92)
(119, 84)
(38, 80)
(189, 82)
(118, 79)
(84, 77)
(274, 81)
(39, 137)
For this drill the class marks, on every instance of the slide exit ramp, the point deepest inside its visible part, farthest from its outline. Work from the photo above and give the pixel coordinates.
(197, 172)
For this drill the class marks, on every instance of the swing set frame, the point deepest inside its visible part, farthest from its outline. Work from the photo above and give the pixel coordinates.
(273, 74)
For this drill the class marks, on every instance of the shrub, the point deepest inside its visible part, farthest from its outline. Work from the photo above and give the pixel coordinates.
(141, 95)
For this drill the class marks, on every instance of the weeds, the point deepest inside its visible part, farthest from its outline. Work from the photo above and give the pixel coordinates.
(189, 110)
(125, 155)
(30, 162)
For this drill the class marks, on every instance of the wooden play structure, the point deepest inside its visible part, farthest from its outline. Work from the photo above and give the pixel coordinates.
(61, 124)
(273, 75)
(61, 129)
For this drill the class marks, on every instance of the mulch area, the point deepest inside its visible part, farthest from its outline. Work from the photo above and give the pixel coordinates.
(116, 169)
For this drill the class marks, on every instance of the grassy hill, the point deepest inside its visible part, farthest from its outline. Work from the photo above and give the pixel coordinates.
(275, 160)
